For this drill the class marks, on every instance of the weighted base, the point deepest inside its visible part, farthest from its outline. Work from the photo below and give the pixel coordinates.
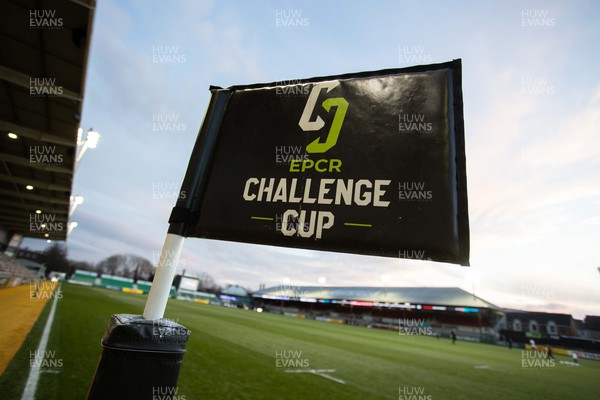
(140, 358)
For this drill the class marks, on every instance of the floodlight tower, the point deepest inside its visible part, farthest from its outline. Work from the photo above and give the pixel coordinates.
(75, 201)
(72, 225)
(90, 142)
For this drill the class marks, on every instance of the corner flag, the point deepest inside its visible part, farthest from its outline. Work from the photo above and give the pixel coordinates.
(369, 163)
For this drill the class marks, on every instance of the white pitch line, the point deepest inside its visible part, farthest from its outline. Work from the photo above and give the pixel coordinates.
(332, 378)
(569, 363)
(34, 372)
(487, 367)
(320, 372)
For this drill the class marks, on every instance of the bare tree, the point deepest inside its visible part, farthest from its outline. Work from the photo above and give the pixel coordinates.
(55, 258)
(139, 267)
(110, 265)
(128, 265)
(207, 283)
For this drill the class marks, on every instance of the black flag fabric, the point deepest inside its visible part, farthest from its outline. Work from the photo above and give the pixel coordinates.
(368, 163)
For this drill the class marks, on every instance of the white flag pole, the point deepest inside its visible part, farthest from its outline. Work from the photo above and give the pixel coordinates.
(184, 214)
(165, 272)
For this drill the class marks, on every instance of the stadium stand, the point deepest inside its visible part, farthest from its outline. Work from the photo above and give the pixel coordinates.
(198, 297)
(38, 269)
(235, 296)
(85, 278)
(116, 282)
(12, 273)
(88, 278)
(591, 327)
(144, 286)
(442, 309)
(44, 121)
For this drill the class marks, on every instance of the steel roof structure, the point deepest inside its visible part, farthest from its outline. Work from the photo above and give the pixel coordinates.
(44, 49)
(443, 296)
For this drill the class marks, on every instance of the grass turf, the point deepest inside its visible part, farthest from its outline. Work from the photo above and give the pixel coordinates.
(232, 354)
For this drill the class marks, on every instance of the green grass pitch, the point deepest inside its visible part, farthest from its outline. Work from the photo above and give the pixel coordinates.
(236, 354)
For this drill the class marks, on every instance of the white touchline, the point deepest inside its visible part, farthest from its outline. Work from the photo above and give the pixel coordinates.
(320, 372)
(34, 372)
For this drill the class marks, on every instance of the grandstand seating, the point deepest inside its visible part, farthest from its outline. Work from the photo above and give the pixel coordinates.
(116, 282)
(144, 286)
(13, 273)
(85, 278)
(467, 326)
(191, 295)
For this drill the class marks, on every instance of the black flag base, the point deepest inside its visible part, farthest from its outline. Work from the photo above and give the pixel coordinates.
(140, 358)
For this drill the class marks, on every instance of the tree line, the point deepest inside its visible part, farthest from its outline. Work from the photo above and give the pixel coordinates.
(55, 258)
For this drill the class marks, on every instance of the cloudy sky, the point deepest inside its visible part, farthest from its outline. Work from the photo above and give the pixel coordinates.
(532, 113)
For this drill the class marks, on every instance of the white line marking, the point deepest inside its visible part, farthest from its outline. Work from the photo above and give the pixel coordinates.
(569, 363)
(34, 372)
(485, 366)
(320, 372)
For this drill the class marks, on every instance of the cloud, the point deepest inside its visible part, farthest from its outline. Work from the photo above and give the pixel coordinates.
(576, 141)
(592, 221)
(532, 158)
